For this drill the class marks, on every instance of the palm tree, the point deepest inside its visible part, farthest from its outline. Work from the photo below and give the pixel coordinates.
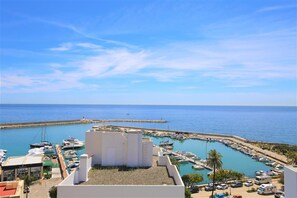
(215, 161)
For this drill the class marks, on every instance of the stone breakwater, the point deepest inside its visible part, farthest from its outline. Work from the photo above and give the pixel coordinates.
(67, 122)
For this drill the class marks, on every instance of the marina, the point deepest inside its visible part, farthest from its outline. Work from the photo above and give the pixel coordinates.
(192, 148)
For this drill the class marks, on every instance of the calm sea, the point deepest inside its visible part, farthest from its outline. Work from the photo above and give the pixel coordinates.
(273, 124)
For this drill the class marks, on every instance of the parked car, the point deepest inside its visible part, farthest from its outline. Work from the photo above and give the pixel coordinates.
(194, 189)
(222, 187)
(279, 194)
(248, 183)
(236, 184)
(209, 187)
(221, 195)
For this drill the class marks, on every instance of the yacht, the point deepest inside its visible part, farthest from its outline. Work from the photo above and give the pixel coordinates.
(198, 167)
(72, 143)
(43, 142)
(70, 154)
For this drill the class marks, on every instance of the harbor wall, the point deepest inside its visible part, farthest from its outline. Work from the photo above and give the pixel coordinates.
(67, 122)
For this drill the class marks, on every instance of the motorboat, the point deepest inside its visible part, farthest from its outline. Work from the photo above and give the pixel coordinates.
(166, 143)
(72, 143)
(198, 167)
(69, 154)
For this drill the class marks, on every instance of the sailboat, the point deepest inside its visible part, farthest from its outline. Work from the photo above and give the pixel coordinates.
(43, 142)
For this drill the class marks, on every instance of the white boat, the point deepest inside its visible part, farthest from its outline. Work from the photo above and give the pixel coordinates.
(72, 143)
(36, 151)
(198, 167)
(69, 154)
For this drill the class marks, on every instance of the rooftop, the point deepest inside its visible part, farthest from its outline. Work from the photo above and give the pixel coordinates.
(22, 160)
(10, 189)
(155, 175)
(110, 128)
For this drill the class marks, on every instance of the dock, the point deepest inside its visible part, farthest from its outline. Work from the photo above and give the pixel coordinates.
(61, 162)
(195, 162)
(68, 122)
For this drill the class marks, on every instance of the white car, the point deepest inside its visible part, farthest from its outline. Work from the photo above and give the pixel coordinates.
(248, 183)
(222, 186)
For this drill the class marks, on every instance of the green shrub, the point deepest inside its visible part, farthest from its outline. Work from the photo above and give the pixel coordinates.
(53, 192)
(187, 193)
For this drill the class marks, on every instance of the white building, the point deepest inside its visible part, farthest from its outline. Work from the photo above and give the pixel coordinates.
(290, 181)
(110, 148)
(122, 164)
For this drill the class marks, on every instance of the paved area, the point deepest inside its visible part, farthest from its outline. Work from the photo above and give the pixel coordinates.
(155, 175)
(238, 191)
(41, 187)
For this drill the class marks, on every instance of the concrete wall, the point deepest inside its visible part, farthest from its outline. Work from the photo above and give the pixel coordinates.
(113, 149)
(290, 181)
(109, 191)
(134, 149)
(93, 146)
(147, 153)
(172, 170)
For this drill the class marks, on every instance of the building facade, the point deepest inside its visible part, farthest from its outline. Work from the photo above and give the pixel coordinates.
(118, 148)
(290, 181)
(150, 174)
(17, 167)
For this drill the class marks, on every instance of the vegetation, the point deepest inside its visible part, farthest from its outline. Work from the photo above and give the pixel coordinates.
(187, 193)
(281, 178)
(215, 161)
(190, 179)
(53, 192)
(290, 151)
(27, 182)
(225, 175)
(175, 162)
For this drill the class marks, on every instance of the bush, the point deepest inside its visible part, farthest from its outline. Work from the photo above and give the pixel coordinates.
(53, 192)
(187, 193)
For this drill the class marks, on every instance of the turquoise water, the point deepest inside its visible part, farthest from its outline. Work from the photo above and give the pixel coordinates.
(17, 141)
(232, 159)
(272, 124)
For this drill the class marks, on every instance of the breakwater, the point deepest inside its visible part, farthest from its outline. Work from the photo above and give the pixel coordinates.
(67, 122)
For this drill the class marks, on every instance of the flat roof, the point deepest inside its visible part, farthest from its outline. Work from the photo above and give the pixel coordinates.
(155, 175)
(22, 160)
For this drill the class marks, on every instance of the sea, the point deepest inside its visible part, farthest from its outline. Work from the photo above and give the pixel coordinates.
(269, 124)
(262, 123)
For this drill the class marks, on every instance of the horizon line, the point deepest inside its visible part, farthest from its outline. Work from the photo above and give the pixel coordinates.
(244, 105)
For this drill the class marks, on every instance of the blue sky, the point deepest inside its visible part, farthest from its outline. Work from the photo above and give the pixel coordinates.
(149, 52)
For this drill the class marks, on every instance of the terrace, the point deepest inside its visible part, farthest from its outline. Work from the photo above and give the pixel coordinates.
(155, 175)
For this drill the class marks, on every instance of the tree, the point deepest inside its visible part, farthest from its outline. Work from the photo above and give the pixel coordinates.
(186, 180)
(53, 192)
(190, 179)
(175, 162)
(187, 193)
(195, 178)
(292, 157)
(224, 175)
(27, 183)
(215, 161)
(282, 178)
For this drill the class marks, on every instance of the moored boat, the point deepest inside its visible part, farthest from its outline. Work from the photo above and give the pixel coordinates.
(72, 143)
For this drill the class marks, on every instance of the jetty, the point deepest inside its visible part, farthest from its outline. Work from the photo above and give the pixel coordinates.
(61, 162)
(195, 162)
(68, 122)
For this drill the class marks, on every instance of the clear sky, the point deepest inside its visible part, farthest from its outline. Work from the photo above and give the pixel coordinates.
(220, 52)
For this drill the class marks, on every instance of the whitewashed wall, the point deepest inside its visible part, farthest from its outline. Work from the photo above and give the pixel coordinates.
(290, 182)
(109, 191)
